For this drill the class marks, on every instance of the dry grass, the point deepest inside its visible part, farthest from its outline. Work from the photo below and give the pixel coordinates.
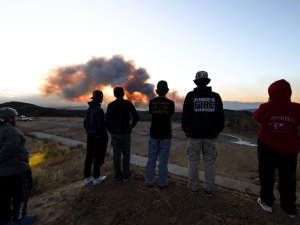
(55, 165)
(59, 196)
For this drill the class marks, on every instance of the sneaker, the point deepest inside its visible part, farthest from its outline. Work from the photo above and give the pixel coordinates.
(26, 220)
(290, 213)
(264, 206)
(193, 192)
(99, 180)
(162, 187)
(88, 181)
(149, 185)
(208, 193)
(127, 178)
(119, 181)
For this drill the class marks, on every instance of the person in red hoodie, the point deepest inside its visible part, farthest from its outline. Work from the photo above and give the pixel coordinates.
(278, 146)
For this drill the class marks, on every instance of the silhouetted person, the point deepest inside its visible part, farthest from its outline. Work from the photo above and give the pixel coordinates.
(202, 121)
(15, 172)
(119, 124)
(278, 146)
(161, 109)
(97, 138)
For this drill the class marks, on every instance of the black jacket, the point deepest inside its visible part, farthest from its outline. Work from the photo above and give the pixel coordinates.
(118, 116)
(13, 153)
(94, 122)
(202, 114)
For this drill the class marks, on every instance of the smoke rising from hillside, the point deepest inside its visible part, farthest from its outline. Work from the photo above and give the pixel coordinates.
(76, 82)
(72, 82)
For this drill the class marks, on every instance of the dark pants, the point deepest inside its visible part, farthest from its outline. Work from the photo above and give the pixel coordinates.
(95, 154)
(14, 194)
(121, 147)
(270, 160)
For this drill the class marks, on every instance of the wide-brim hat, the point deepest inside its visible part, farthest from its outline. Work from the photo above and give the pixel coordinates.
(201, 75)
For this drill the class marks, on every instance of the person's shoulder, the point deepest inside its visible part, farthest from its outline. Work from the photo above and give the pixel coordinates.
(190, 93)
(170, 100)
(215, 93)
(296, 105)
(11, 130)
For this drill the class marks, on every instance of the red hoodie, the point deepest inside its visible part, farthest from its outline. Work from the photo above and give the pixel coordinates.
(279, 119)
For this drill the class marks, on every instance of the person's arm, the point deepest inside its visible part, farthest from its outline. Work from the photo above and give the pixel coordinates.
(108, 119)
(172, 109)
(135, 116)
(101, 124)
(185, 115)
(221, 115)
(258, 115)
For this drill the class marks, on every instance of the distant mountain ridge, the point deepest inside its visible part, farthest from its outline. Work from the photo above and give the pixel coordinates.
(238, 121)
(32, 110)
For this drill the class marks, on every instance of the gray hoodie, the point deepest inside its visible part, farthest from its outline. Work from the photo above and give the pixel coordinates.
(13, 153)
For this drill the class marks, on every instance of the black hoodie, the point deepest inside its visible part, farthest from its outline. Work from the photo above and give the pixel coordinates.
(94, 122)
(202, 114)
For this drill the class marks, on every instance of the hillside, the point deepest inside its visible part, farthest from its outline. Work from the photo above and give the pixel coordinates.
(59, 197)
(237, 122)
(32, 110)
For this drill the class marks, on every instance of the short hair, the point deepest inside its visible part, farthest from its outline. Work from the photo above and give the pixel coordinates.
(118, 92)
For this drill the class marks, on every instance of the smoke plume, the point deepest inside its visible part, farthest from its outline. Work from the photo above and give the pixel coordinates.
(76, 81)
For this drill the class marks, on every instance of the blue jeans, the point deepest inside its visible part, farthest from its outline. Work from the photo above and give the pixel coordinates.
(158, 148)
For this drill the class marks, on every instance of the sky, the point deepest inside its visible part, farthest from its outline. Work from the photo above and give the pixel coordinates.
(244, 45)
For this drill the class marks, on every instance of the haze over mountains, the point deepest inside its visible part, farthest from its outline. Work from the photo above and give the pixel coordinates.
(56, 102)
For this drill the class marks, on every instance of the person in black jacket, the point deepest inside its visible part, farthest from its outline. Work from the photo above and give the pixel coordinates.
(119, 124)
(15, 172)
(97, 139)
(202, 121)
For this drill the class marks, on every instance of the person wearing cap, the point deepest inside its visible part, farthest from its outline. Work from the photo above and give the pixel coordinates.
(119, 124)
(278, 146)
(161, 109)
(15, 172)
(97, 138)
(202, 121)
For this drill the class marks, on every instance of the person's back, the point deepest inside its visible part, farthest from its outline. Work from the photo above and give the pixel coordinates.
(161, 109)
(203, 115)
(94, 122)
(118, 116)
(279, 118)
(13, 155)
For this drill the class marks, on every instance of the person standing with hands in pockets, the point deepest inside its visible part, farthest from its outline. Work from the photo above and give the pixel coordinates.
(278, 146)
(97, 138)
(202, 121)
(121, 118)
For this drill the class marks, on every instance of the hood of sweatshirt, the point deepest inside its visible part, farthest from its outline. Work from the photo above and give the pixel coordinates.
(280, 91)
(93, 103)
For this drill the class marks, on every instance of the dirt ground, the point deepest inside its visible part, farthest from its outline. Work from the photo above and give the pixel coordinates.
(59, 196)
(235, 161)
